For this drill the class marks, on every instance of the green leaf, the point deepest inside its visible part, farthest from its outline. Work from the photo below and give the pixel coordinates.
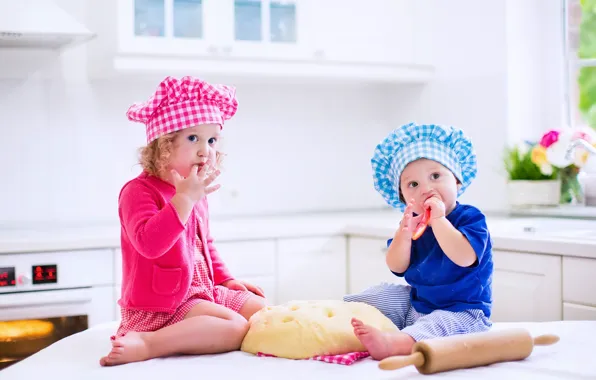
(519, 166)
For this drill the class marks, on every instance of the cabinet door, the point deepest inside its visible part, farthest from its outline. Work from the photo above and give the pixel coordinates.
(366, 265)
(575, 312)
(526, 287)
(311, 268)
(168, 27)
(375, 31)
(264, 29)
(248, 258)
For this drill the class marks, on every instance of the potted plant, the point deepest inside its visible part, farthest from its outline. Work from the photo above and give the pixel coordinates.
(542, 174)
(527, 184)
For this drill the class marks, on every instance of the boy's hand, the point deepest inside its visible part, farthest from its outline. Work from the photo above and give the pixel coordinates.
(196, 185)
(437, 208)
(409, 222)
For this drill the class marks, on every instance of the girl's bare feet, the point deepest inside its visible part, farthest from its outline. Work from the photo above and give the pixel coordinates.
(381, 345)
(130, 348)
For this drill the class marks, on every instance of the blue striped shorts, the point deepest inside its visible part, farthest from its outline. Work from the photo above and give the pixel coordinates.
(393, 301)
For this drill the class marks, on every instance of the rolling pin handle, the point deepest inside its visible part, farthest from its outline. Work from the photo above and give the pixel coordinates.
(397, 362)
(545, 340)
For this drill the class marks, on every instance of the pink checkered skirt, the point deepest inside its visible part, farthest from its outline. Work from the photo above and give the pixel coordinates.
(201, 290)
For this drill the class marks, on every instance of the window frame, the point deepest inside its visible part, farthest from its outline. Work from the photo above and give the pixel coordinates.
(572, 64)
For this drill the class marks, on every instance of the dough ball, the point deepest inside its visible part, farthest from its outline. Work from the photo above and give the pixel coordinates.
(303, 329)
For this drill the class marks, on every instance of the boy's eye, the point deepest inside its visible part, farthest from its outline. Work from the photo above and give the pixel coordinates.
(193, 138)
(413, 184)
(212, 140)
(435, 176)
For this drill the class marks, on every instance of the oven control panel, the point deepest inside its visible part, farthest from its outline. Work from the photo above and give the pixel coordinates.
(40, 274)
(22, 272)
(8, 277)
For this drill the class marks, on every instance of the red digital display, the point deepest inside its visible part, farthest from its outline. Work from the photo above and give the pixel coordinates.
(7, 277)
(45, 274)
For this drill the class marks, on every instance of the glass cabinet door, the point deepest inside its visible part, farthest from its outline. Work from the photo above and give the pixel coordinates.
(248, 20)
(149, 18)
(282, 21)
(177, 18)
(170, 27)
(188, 18)
(265, 20)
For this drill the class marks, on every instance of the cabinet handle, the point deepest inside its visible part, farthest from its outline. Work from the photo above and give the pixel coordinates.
(212, 49)
(227, 49)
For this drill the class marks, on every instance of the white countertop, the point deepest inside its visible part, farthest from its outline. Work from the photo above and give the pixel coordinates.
(529, 234)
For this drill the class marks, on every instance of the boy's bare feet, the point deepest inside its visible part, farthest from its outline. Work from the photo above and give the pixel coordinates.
(127, 349)
(381, 345)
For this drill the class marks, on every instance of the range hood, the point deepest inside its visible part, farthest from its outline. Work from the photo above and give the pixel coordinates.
(39, 24)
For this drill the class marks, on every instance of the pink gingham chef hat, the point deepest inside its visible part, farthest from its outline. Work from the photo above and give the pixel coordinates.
(183, 103)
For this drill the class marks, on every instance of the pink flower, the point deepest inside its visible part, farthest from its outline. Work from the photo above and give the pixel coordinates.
(549, 138)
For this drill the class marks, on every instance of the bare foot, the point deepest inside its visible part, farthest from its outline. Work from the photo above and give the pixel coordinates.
(127, 349)
(381, 345)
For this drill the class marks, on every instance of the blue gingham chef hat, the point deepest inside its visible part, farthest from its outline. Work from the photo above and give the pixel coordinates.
(444, 144)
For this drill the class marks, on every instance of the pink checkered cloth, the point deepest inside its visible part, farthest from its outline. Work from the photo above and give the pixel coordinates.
(183, 103)
(345, 359)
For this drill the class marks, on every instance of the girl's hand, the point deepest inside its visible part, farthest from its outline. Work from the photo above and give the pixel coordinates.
(243, 285)
(437, 208)
(196, 185)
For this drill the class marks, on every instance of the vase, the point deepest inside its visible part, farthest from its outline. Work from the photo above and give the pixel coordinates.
(571, 189)
(528, 193)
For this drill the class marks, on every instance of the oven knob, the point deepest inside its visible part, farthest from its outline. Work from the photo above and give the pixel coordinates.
(24, 280)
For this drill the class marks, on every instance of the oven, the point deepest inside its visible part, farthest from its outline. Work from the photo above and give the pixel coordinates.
(46, 296)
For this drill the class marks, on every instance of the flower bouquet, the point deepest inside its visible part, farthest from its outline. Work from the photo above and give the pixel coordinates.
(542, 173)
(550, 156)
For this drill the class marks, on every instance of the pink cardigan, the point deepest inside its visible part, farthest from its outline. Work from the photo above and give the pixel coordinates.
(157, 249)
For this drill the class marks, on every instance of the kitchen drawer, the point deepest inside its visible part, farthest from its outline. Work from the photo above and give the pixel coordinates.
(248, 258)
(573, 312)
(579, 284)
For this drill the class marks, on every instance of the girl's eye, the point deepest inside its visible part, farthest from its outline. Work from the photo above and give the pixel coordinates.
(435, 176)
(413, 184)
(193, 138)
(212, 140)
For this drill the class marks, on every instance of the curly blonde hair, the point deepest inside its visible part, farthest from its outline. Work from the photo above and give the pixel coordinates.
(155, 157)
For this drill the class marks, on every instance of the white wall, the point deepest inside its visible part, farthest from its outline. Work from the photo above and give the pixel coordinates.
(470, 89)
(291, 148)
(535, 68)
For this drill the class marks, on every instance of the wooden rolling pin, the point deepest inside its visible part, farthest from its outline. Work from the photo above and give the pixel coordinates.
(468, 350)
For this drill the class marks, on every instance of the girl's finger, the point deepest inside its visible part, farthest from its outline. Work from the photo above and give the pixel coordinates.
(213, 188)
(211, 178)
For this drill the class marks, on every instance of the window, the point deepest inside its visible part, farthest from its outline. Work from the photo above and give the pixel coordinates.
(580, 62)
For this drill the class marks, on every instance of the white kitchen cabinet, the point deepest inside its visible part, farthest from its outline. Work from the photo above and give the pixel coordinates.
(526, 287)
(579, 284)
(263, 29)
(311, 268)
(252, 261)
(575, 312)
(379, 40)
(248, 258)
(366, 264)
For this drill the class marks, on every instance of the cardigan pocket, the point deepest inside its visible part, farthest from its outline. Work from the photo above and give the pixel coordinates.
(166, 281)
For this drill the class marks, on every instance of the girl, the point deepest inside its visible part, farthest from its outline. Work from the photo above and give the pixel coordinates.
(449, 267)
(178, 297)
